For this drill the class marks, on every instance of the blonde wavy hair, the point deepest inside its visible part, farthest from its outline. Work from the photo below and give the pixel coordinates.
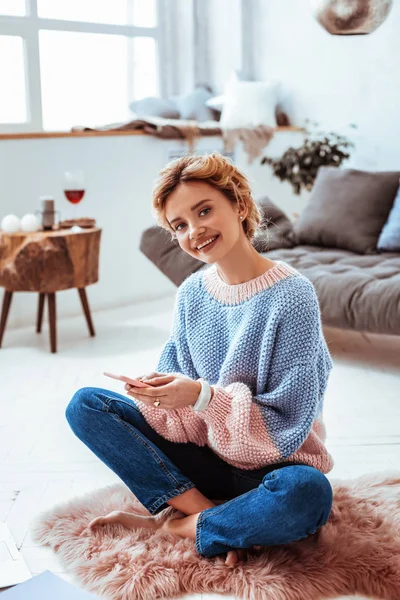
(215, 170)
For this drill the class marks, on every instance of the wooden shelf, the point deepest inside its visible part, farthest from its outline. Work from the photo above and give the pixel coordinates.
(75, 134)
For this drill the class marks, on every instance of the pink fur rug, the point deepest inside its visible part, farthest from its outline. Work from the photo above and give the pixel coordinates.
(356, 552)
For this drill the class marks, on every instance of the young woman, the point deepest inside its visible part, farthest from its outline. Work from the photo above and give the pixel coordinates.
(234, 411)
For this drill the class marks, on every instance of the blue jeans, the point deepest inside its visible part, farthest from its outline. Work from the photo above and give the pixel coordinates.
(274, 505)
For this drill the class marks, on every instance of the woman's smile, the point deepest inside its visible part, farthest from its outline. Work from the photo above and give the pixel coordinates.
(209, 247)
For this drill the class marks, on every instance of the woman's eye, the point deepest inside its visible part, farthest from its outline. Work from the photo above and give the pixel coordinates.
(178, 226)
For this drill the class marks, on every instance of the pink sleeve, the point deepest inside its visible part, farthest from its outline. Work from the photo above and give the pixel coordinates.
(181, 425)
(236, 429)
(270, 426)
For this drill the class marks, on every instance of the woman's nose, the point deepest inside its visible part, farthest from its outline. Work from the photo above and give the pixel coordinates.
(194, 232)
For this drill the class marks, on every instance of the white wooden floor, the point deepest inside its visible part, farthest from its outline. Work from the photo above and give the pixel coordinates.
(42, 463)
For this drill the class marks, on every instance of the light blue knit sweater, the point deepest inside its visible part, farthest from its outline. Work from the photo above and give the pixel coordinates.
(261, 345)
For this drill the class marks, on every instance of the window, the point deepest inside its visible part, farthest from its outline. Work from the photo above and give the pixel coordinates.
(141, 13)
(90, 80)
(12, 77)
(15, 8)
(75, 62)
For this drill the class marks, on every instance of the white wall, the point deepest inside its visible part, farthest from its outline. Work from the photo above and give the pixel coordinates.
(335, 80)
(119, 175)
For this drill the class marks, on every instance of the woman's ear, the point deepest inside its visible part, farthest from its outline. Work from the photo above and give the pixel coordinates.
(242, 208)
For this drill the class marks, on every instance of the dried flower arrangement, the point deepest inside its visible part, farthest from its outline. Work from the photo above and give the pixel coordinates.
(299, 166)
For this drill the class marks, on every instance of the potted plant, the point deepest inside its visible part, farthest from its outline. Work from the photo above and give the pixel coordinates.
(299, 166)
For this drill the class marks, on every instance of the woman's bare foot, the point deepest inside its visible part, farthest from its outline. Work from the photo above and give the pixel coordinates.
(163, 521)
(127, 519)
(133, 521)
(234, 556)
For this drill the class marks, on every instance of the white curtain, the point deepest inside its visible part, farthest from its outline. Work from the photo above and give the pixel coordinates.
(202, 41)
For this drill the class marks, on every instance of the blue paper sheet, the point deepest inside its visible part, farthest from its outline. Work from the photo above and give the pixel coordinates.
(46, 586)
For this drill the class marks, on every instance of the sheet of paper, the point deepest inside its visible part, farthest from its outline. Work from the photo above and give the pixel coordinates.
(46, 586)
(13, 568)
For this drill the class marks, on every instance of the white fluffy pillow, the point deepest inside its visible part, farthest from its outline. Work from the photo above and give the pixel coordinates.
(216, 103)
(249, 103)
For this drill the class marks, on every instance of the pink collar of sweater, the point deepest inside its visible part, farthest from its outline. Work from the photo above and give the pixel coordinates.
(238, 293)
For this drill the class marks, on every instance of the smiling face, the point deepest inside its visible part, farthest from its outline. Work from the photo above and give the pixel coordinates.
(197, 212)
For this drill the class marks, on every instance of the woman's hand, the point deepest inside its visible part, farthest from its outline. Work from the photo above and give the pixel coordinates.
(173, 390)
(150, 375)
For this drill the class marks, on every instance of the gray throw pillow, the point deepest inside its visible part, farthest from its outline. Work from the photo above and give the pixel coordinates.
(166, 254)
(389, 240)
(275, 228)
(193, 105)
(347, 209)
(154, 107)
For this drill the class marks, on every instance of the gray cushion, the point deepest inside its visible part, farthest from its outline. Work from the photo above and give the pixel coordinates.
(355, 291)
(347, 209)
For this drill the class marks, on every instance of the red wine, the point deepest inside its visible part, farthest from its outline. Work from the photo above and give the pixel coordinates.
(74, 196)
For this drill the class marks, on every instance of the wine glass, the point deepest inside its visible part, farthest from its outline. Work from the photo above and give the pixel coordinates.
(74, 188)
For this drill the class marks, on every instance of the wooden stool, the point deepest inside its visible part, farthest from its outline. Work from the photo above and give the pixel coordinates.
(48, 262)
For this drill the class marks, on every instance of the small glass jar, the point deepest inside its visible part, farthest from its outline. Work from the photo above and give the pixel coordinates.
(47, 212)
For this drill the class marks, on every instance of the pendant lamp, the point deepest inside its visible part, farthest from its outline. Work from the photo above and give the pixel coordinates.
(351, 17)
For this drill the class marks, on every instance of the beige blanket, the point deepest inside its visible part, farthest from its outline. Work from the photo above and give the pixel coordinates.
(254, 138)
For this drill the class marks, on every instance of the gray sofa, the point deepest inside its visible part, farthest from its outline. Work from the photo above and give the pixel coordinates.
(333, 244)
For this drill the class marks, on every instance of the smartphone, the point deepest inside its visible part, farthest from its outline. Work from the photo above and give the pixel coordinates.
(135, 382)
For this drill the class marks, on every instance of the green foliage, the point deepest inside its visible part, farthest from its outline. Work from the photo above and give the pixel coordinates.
(299, 166)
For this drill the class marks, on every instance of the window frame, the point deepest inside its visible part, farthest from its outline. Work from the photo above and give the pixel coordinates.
(27, 27)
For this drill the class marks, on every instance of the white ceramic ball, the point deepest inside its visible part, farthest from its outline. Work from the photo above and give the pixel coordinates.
(30, 222)
(76, 229)
(11, 224)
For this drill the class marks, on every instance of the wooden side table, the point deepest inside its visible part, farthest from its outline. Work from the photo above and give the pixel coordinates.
(48, 262)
